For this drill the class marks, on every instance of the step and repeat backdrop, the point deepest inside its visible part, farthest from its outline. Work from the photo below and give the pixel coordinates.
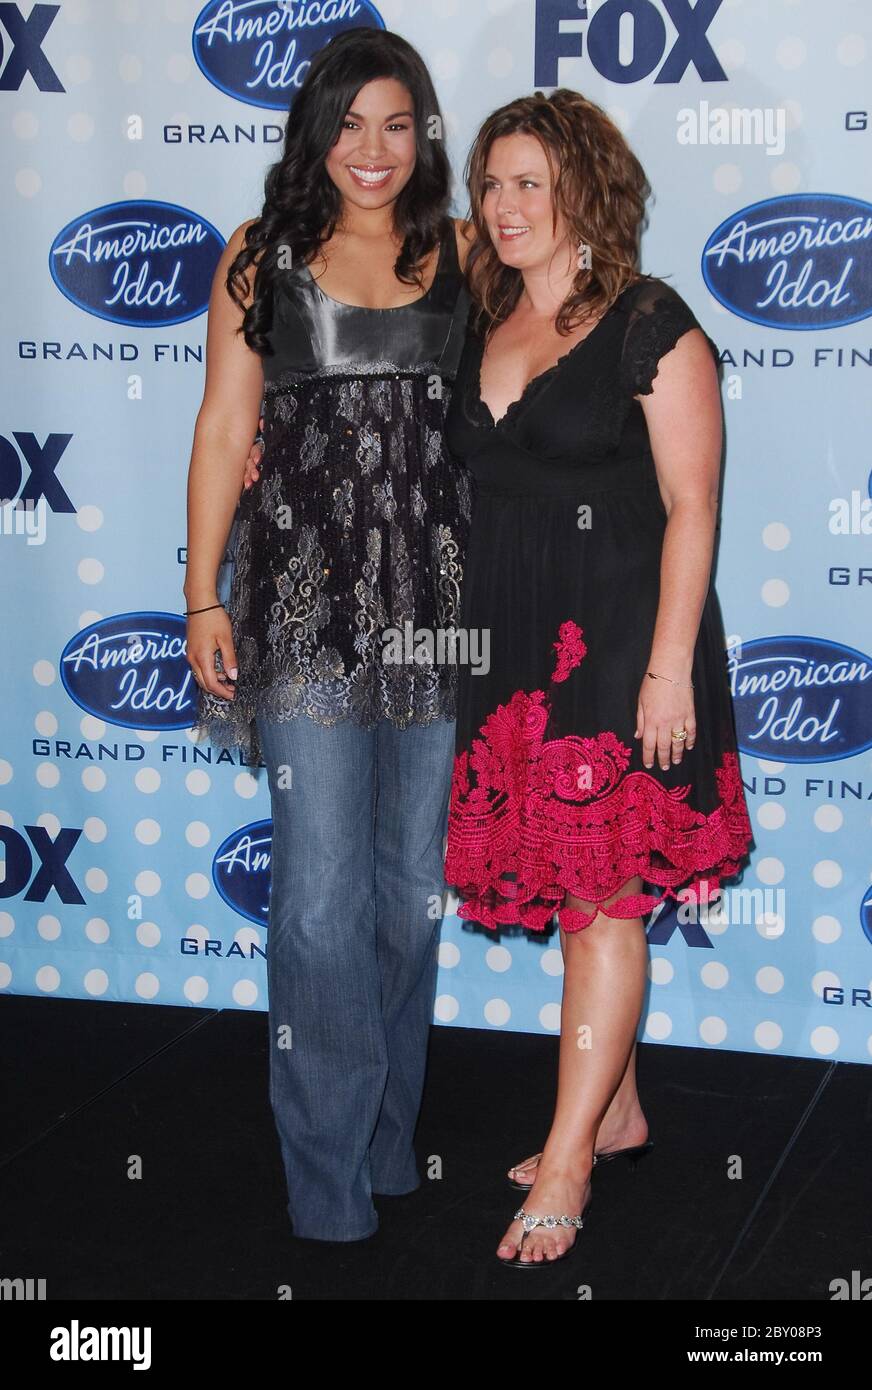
(135, 860)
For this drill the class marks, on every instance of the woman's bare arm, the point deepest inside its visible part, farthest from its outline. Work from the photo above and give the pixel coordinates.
(226, 424)
(684, 418)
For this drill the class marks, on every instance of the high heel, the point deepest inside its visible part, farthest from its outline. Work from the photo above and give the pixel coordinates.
(633, 1153)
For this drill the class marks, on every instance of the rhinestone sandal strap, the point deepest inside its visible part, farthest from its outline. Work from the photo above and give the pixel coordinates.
(550, 1223)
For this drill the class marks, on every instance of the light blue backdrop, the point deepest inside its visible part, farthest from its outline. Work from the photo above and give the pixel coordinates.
(136, 135)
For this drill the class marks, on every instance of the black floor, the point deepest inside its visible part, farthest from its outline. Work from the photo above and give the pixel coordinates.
(93, 1087)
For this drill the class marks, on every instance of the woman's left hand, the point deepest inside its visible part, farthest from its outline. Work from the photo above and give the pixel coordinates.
(664, 710)
(254, 460)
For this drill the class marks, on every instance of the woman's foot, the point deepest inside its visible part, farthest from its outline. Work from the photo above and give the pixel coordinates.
(623, 1131)
(556, 1194)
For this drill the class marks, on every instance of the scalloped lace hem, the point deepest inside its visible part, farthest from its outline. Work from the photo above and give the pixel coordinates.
(233, 723)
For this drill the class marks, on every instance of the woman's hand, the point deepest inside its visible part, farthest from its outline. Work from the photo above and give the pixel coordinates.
(662, 709)
(209, 633)
(254, 460)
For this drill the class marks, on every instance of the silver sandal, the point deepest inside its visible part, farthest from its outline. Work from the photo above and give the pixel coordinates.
(550, 1223)
(528, 1186)
(634, 1153)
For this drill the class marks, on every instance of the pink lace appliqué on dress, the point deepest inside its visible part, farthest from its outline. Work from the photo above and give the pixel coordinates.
(531, 820)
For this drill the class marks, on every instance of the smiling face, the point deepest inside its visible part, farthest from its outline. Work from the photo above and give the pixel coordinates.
(374, 156)
(517, 203)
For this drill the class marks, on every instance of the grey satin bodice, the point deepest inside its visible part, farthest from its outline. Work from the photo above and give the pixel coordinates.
(312, 331)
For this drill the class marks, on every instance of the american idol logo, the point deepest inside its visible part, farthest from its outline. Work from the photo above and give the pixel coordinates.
(802, 262)
(259, 51)
(241, 870)
(144, 263)
(866, 915)
(801, 699)
(131, 670)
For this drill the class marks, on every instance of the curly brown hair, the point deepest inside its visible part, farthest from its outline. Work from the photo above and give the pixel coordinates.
(600, 188)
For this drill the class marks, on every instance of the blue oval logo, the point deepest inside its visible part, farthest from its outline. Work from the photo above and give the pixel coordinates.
(801, 262)
(241, 870)
(801, 699)
(866, 914)
(131, 670)
(259, 51)
(142, 263)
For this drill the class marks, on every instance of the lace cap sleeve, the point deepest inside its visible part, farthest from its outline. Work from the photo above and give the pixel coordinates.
(658, 317)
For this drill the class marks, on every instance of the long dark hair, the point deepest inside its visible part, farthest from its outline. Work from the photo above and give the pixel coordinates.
(302, 204)
(600, 188)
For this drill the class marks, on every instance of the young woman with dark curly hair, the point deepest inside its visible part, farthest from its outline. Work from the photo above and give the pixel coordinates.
(341, 309)
(598, 753)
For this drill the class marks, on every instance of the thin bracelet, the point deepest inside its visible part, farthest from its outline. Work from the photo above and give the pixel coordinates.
(189, 611)
(680, 684)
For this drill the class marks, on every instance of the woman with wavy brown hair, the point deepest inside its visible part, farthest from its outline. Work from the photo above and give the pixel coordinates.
(598, 754)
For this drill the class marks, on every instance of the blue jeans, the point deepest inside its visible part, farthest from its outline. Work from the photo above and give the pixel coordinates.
(359, 818)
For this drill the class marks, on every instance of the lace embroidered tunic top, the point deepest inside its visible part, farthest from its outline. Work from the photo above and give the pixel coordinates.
(550, 794)
(357, 527)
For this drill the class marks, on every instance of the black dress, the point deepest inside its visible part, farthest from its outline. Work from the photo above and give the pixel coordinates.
(358, 525)
(549, 790)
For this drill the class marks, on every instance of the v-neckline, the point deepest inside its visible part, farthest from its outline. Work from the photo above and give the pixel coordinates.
(514, 406)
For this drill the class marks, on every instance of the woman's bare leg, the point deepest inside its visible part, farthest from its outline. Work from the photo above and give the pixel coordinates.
(603, 991)
(623, 1126)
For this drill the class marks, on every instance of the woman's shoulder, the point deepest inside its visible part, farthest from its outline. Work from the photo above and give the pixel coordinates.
(244, 226)
(237, 239)
(650, 295)
(236, 243)
(657, 317)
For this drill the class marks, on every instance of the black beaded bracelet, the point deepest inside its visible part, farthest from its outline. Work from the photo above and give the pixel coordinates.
(208, 609)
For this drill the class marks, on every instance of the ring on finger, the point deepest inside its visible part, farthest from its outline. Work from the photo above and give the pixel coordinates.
(679, 735)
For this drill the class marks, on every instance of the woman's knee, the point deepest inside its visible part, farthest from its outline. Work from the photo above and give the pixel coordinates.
(600, 922)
